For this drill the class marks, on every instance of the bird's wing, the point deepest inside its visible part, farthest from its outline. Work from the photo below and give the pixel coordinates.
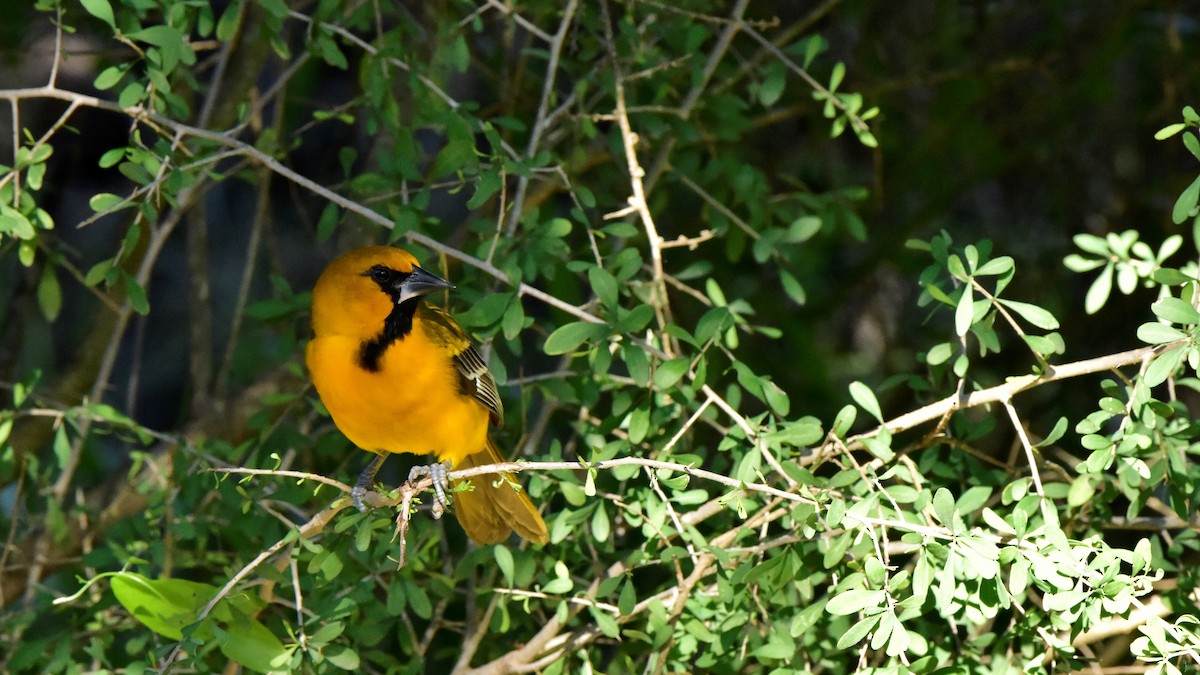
(474, 378)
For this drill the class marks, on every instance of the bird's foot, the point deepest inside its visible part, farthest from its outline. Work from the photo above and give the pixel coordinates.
(441, 485)
(356, 496)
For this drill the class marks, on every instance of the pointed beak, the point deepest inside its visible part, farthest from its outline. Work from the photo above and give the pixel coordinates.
(419, 282)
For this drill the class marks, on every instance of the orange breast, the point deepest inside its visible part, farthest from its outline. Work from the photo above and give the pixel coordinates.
(412, 404)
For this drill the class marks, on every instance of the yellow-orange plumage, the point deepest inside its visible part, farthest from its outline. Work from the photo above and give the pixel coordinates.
(398, 375)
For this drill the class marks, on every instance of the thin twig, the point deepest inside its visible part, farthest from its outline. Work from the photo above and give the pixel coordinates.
(316, 524)
(1029, 453)
(540, 117)
(694, 95)
(1010, 320)
(855, 120)
(302, 475)
(519, 593)
(521, 21)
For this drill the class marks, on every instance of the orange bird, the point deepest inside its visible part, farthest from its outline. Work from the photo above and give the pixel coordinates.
(400, 375)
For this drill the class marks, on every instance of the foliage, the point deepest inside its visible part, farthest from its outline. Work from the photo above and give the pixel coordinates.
(610, 187)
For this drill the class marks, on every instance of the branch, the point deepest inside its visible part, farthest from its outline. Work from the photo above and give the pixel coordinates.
(1014, 386)
(543, 109)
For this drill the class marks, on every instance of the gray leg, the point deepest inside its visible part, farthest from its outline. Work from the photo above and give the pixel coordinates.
(366, 480)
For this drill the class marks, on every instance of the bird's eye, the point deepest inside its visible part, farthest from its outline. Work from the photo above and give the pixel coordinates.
(381, 274)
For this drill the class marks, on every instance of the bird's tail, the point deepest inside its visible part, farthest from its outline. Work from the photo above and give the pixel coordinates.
(496, 505)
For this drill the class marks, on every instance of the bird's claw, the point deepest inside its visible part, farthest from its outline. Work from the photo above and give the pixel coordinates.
(441, 485)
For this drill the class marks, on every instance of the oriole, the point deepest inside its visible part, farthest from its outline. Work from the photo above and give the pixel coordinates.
(400, 375)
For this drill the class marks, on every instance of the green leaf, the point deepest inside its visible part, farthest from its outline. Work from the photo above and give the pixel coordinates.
(111, 157)
(943, 506)
(486, 311)
(634, 320)
(562, 580)
(136, 296)
(801, 433)
(712, 322)
(328, 48)
(513, 320)
(776, 398)
(248, 642)
(1097, 293)
(1169, 276)
(1143, 557)
(713, 289)
(1078, 263)
(1157, 333)
(954, 266)
(569, 337)
(843, 421)
(813, 45)
(792, 287)
(772, 87)
(627, 601)
(866, 400)
(108, 78)
(1032, 313)
(1056, 433)
(605, 622)
(459, 54)
(1169, 131)
(165, 606)
(49, 294)
(1192, 144)
(1083, 488)
(344, 658)
(504, 561)
(858, 632)
(883, 633)
(780, 647)
(61, 447)
(900, 639)
(458, 154)
(1163, 366)
(325, 224)
(670, 372)
(1092, 244)
(601, 527)
(104, 201)
(996, 266)
(171, 43)
(131, 95)
(101, 9)
(418, 600)
(880, 445)
(1175, 310)
(14, 223)
(973, 498)
(637, 362)
(939, 354)
(1186, 202)
(98, 272)
(855, 600)
(228, 23)
(604, 285)
(964, 313)
(835, 78)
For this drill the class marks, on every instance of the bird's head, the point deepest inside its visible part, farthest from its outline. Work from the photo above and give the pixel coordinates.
(358, 290)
